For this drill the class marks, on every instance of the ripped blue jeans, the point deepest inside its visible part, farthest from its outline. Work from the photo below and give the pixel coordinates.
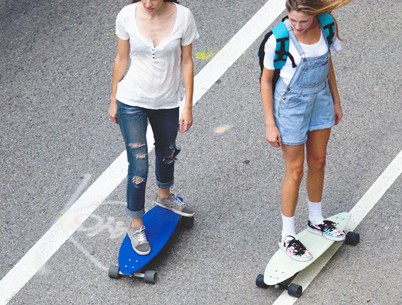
(133, 123)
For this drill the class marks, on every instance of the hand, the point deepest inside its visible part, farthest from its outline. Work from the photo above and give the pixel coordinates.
(113, 111)
(338, 112)
(186, 120)
(273, 136)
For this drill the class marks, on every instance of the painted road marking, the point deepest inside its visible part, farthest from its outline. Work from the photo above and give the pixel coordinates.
(359, 211)
(115, 231)
(236, 47)
(72, 219)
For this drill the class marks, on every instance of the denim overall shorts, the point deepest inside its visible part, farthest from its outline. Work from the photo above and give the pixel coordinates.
(305, 104)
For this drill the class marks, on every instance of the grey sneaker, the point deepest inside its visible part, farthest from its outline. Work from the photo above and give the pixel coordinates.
(175, 204)
(139, 240)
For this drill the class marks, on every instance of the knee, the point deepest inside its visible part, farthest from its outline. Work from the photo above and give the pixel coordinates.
(168, 156)
(138, 164)
(296, 174)
(316, 163)
(138, 151)
(138, 182)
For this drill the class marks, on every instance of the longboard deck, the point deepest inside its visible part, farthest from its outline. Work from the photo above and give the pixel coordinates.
(281, 267)
(160, 225)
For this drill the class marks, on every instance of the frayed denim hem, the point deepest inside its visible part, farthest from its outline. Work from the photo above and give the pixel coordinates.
(165, 185)
(135, 214)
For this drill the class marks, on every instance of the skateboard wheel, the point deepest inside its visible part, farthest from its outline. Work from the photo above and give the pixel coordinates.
(187, 222)
(295, 290)
(114, 272)
(352, 238)
(150, 276)
(260, 281)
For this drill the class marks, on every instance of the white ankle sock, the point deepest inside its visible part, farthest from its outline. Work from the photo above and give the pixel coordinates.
(315, 212)
(288, 226)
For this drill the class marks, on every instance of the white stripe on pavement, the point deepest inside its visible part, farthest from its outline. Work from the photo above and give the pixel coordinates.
(57, 235)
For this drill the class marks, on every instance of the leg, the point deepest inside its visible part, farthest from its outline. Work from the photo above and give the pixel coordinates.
(294, 161)
(133, 125)
(316, 159)
(316, 147)
(165, 127)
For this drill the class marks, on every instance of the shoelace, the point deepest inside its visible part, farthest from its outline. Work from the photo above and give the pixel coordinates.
(297, 245)
(177, 201)
(142, 238)
(329, 224)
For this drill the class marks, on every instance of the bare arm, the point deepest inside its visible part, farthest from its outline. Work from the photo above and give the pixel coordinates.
(187, 67)
(121, 63)
(335, 94)
(272, 134)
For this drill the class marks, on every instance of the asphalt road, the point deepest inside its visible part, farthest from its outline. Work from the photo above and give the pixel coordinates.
(56, 140)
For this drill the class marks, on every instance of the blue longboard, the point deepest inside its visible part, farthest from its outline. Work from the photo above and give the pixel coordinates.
(160, 225)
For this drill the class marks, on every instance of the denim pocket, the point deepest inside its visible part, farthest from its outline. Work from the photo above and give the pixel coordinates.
(291, 102)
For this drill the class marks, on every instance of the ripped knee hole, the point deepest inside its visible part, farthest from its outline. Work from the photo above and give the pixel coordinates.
(141, 156)
(172, 157)
(138, 180)
(136, 145)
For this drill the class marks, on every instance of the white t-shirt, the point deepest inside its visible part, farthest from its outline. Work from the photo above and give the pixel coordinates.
(311, 50)
(153, 79)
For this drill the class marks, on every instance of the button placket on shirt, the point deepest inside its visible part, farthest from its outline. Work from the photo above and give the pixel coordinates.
(153, 53)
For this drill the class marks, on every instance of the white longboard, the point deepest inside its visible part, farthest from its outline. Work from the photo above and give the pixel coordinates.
(281, 267)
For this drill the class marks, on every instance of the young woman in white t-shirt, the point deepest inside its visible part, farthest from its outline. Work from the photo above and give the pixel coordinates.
(154, 52)
(299, 115)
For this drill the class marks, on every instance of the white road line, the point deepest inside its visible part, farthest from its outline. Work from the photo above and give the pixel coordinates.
(73, 198)
(236, 46)
(359, 211)
(57, 235)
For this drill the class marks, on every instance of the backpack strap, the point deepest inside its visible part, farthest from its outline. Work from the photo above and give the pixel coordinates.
(281, 34)
(327, 23)
(261, 51)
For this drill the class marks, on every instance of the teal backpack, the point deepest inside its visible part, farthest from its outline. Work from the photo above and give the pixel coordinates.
(281, 34)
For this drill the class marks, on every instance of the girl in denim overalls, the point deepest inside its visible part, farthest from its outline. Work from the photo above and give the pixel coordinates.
(299, 115)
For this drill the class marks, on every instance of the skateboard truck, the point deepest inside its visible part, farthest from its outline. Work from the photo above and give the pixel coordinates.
(294, 290)
(149, 276)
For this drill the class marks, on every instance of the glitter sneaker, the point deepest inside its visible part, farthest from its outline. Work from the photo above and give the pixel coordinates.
(327, 229)
(295, 249)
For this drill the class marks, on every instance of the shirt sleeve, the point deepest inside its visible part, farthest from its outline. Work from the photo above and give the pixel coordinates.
(336, 45)
(190, 32)
(121, 31)
(269, 49)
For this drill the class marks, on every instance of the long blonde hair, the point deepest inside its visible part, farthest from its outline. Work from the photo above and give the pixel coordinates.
(315, 7)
